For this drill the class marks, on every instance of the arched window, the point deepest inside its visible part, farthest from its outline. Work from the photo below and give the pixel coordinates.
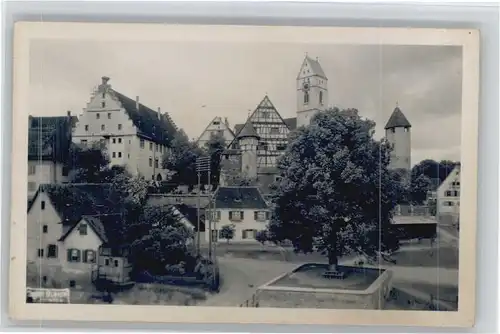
(158, 177)
(321, 97)
(306, 97)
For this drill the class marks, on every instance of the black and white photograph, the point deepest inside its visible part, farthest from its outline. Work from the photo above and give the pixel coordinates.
(278, 172)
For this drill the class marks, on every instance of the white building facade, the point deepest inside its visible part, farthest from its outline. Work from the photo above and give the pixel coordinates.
(135, 136)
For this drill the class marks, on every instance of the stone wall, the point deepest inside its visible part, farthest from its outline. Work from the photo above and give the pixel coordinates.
(291, 297)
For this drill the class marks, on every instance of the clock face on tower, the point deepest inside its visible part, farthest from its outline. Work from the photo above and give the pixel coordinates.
(305, 85)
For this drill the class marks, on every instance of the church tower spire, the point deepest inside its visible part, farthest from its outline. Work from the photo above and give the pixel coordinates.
(312, 90)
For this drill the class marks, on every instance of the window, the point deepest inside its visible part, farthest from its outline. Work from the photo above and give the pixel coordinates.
(142, 143)
(42, 205)
(150, 162)
(281, 147)
(128, 155)
(156, 163)
(321, 97)
(156, 147)
(32, 186)
(119, 140)
(119, 154)
(97, 116)
(217, 216)
(83, 142)
(103, 127)
(103, 95)
(265, 114)
(275, 131)
(65, 171)
(73, 255)
(114, 140)
(72, 283)
(31, 169)
(449, 193)
(117, 263)
(45, 229)
(86, 128)
(119, 126)
(150, 146)
(248, 234)
(40, 252)
(393, 130)
(260, 216)
(106, 262)
(83, 229)
(103, 104)
(306, 97)
(114, 154)
(109, 115)
(89, 256)
(52, 251)
(44, 278)
(216, 123)
(236, 215)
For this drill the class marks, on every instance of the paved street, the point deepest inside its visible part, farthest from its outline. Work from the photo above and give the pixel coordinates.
(242, 276)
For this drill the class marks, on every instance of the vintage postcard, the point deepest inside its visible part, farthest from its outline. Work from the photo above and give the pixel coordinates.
(244, 174)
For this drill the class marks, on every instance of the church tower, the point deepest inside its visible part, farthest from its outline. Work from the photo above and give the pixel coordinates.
(312, 91)
(398, 134)
(248, 140)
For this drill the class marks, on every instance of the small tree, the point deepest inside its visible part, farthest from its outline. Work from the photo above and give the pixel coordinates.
(214, 149)
(419, 187)
(261, 236)
(227, 232)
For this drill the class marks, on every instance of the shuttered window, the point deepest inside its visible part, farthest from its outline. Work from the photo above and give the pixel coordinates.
(74, 255)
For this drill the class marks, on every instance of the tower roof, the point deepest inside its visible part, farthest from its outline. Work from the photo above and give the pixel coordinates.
(397, 120)
(248, 131)
(314, 66)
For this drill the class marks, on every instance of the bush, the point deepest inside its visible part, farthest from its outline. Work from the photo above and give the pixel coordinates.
(261, 236)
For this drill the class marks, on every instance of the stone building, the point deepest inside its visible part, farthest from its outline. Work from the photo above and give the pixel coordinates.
(135, 136)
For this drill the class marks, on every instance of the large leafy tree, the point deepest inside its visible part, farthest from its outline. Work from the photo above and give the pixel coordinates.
(161, 239)
(434, 170)
(181, 159)
(335, 190)
(87, 163)
(419, 187)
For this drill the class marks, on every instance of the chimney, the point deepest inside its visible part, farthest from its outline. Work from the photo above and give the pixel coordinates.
(105, 80)
(137, 103)
(159, 113)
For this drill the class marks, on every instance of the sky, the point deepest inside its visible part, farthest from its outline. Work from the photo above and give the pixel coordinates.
(196, 81)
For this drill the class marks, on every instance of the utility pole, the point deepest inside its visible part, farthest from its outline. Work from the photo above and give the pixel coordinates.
(202, 165)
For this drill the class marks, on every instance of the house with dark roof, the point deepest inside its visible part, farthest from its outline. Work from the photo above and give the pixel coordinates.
(49, 140)
(135, 135)
(244, 208)
(67, 225)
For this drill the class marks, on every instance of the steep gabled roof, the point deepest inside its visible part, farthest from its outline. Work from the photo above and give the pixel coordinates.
(49, 138)
(239, 198)
(226, 125)
(291, 123)
(397, 120)
(248, 131)
(73, 201)
(160, 130)
(315, 67)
